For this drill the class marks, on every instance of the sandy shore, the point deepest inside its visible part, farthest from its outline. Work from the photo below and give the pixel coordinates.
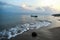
(54, 35)
(45, 33)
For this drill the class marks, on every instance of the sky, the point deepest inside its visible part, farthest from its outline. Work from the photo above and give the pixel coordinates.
(55, 4)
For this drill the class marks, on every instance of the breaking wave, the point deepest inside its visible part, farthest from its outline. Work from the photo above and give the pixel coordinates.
(19, 29)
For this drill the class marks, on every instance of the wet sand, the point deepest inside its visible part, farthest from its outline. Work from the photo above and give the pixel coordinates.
(50, 34)
(44, 33)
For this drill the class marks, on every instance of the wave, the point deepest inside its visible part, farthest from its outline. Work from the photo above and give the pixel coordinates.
(19, 29)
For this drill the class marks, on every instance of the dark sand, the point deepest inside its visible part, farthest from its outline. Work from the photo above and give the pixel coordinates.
(42, 34)
(56, 33)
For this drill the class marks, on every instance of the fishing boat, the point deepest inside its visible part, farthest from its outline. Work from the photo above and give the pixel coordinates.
(34, 16)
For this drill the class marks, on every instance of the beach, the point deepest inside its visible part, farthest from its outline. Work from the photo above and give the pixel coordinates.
(47, 33)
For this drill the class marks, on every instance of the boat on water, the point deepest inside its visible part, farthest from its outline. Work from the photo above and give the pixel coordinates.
(34, 16)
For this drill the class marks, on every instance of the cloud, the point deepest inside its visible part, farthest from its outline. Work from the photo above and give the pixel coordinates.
(40, 10)
(28, 7)
(24, 8)
(37, 9)
(44, 10)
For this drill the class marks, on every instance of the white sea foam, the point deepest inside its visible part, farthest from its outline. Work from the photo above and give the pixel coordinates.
(12, 32)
